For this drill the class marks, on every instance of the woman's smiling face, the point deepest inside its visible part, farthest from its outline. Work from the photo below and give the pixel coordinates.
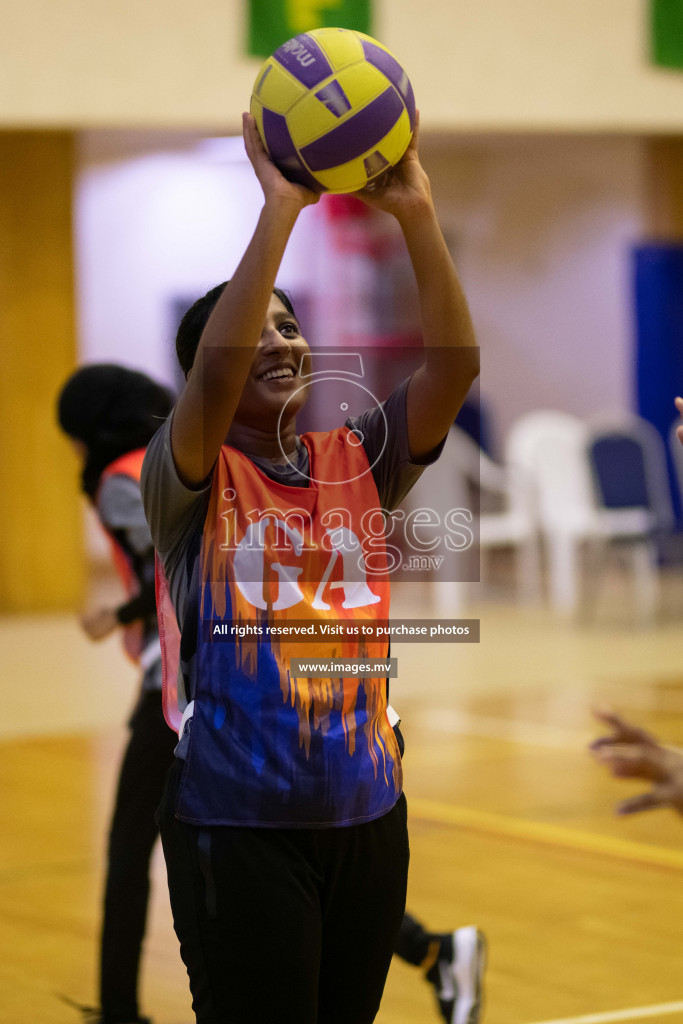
(275, 374)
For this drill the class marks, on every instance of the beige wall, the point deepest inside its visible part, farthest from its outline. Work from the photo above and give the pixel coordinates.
(542, 229)
(475, 64)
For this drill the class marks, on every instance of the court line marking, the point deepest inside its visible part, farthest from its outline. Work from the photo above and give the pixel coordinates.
(547, 834)
(657, 1010)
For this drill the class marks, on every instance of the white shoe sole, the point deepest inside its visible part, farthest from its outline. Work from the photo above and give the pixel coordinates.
(469, 948)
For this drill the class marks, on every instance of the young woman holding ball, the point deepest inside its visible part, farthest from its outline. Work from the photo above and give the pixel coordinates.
(283, 821)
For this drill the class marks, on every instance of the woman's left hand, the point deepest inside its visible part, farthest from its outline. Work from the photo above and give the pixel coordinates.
(403, 188)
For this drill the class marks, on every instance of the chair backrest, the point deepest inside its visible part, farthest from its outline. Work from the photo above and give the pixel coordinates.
(473, 418)
(441, 489)
(444, 485)
(628, 463)
(548, 447)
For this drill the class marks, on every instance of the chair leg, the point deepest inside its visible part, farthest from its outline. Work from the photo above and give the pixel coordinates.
(528, 557)
(563, 566)
(646, 578)
(596, 556)
(448, 598)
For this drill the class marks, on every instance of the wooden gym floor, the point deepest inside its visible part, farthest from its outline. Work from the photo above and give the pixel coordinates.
(512, 824)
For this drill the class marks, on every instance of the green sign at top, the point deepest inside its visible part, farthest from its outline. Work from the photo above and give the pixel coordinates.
(666, 18)
(273, 22)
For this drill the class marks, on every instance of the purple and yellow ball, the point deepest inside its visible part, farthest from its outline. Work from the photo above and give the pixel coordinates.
(334, 109)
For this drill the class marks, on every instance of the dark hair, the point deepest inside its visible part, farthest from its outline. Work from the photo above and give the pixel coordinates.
(111, 410)
(196, 319)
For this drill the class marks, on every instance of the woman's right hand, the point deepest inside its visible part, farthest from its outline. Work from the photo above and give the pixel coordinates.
(271, 180)
(99, 624)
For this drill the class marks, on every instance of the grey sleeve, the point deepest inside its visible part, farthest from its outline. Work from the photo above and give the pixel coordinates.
(174, 512)
(119, 506)
(384, 433)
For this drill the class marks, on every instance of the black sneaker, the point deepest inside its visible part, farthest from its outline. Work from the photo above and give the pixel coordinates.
(457, 975)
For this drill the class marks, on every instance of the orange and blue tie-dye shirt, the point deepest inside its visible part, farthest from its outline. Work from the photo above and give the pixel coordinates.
(270, 746)
(265, 746)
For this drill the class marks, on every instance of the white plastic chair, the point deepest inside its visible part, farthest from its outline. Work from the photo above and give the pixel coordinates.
(556, 450)
(515, 524)
(464, 470)
(442, 487)
(548, 447)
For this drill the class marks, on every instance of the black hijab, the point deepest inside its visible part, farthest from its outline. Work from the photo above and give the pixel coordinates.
(111, 410)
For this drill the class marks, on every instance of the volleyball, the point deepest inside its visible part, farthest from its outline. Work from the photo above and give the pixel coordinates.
(334, 109)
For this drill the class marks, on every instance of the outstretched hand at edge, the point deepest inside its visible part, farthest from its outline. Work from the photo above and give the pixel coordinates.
(679, 430)
(630, 752)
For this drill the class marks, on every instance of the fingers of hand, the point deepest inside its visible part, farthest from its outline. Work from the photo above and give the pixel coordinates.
(634, 761)
(642, 802)
(99, 624)
(376, 187)
(623, 731)
(91, 628)
(608, 717)
(252, 139)
(416, 132)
